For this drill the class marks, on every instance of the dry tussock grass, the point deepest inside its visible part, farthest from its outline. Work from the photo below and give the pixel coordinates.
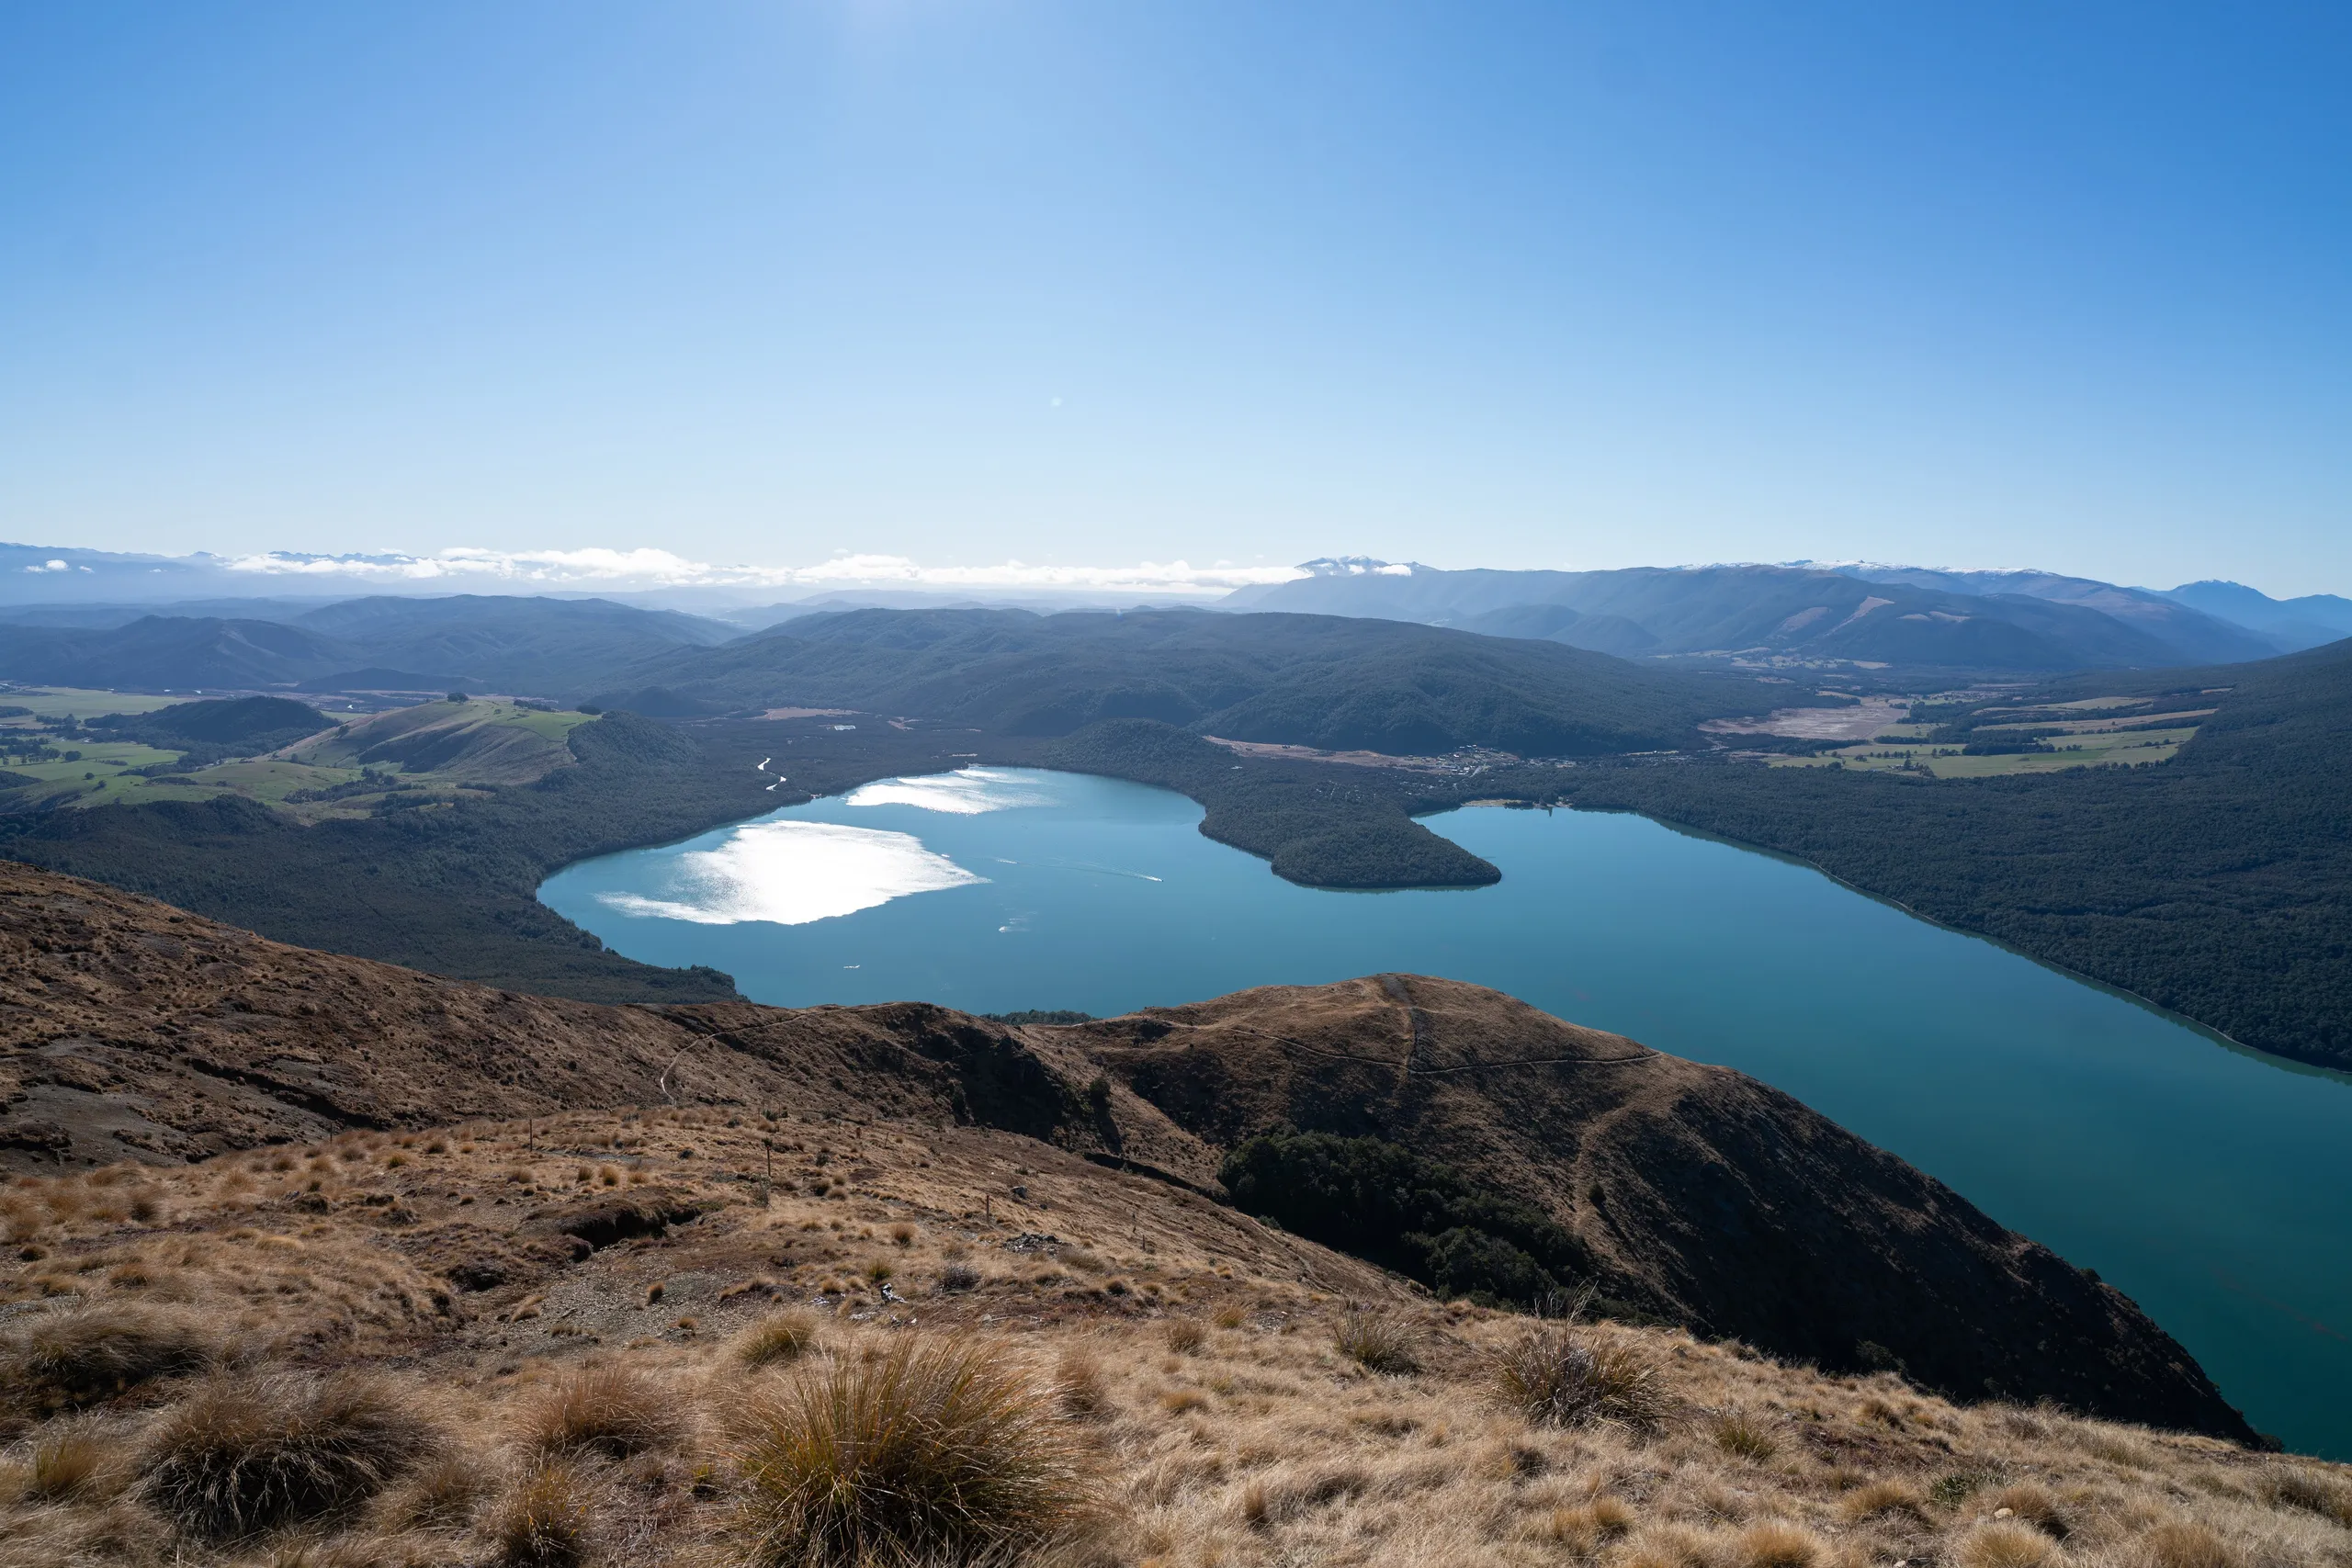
(241, 1455)
(547, 1520)
(64, 1360)
(780, 1337)
(611, 1410)
(934, 1450)
(1556, 1375)
(595, 1430)
(1378, 1341)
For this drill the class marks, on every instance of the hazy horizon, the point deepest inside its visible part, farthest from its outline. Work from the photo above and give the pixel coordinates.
(660, 573)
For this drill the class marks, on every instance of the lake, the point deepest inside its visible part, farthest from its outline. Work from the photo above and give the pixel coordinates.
(2213, 1186)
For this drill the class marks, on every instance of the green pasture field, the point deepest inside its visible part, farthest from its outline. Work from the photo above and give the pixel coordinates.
(2128, 748)
(56, 701)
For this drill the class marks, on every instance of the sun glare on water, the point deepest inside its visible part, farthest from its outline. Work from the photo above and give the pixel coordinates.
(793, 872)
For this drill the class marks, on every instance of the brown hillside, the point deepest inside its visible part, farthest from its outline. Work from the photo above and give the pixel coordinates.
(1703, 1195)
(586, 1340)
(129, 1030)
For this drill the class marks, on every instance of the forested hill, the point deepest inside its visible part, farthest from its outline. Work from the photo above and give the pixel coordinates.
(2218, 885)
(1318, 680)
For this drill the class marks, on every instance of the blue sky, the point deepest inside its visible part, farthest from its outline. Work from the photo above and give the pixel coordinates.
(967, 281)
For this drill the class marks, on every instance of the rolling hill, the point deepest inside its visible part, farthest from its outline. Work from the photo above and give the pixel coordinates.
(1318, 680)
(168, 653)
(511, 644)
(503, 643)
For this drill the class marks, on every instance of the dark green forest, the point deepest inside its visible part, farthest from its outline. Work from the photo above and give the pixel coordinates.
(2218, 885)
(1382, 1202)
(1323, 826)
(1315, 681)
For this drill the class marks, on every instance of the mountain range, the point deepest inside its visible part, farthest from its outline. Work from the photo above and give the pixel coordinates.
(2011, 621)
(1801, 615)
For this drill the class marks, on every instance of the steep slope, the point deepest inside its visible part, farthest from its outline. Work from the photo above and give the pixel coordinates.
(1695, 1191)
(1307, 680)
(133, 1031)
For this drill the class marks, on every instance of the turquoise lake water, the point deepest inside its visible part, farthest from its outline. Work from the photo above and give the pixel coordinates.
(2213, 1186)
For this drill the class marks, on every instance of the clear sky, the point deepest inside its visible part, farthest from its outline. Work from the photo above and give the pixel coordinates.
(1109, 281)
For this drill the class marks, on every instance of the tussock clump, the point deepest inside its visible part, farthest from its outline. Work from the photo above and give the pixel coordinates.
(1378, 1341)
(1079, 1388)
(1555, 1376)
(74, 1358)
(241, 1455)
(2181, 1545)
(2314, 1491)
(2004, 1543)
(609, 1410)
(69, 1461)
(1776, 1543)
(443, 1493)
(1184, 1335)
(544, 1522)
(1741, 1436)
(1587, 1526)
(779, 1337)
(934, 1450)
(1880, 1499)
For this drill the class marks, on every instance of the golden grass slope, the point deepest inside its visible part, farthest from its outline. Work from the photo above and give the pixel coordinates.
(855, 1343)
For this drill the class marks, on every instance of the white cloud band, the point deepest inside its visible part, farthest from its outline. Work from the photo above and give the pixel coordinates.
(662, 568)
